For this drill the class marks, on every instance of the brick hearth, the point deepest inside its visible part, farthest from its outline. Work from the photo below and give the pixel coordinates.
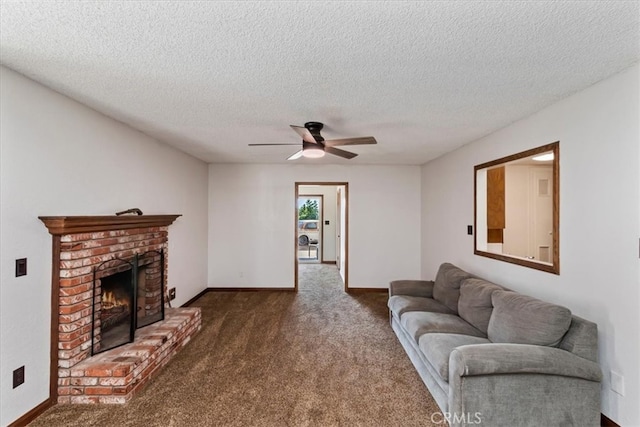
(116, 375)
(80, 244)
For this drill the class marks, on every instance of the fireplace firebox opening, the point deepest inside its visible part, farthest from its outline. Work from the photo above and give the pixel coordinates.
(114, 322)
(127, 295)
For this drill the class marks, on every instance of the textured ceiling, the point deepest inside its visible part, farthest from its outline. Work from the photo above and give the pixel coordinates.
(422, 77)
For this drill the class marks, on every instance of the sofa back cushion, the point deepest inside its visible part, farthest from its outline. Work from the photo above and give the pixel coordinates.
(522, 319)
(447, 285)
(475, 304)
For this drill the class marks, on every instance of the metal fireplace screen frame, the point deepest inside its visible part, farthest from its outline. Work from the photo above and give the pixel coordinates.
(115, 266)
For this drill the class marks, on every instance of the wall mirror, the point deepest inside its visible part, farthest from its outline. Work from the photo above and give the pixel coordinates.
(517, 211)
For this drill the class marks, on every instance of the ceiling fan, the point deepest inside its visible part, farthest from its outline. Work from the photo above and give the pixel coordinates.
(315, 146)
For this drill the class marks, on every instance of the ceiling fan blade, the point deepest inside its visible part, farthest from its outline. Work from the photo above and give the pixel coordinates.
(286, 143)
(338, 152)
(350, 141)
(295, 156)
(304, 133)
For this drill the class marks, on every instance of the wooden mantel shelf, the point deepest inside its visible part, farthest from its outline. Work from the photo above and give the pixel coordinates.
(59, 225)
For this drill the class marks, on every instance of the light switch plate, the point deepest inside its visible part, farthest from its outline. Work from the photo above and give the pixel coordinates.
(18, 377)
(21, 267)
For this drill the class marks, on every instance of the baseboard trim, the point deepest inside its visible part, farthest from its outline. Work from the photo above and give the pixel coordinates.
(192, 300)
(366, 290)
(607, 422)
(329, 262)
(33, 414)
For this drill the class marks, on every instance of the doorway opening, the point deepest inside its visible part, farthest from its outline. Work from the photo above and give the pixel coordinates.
(310, 220)
(321, 226)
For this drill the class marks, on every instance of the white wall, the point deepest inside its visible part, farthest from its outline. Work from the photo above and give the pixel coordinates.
(329, 204)
(59, 157)
(250, 248)
(599, 136)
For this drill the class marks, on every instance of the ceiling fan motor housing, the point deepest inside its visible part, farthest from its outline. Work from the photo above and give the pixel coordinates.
(315, 128)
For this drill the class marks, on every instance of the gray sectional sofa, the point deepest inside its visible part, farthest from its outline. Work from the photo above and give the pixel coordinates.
(494, 357)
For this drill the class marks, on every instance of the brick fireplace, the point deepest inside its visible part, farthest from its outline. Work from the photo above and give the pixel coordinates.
(90, 253)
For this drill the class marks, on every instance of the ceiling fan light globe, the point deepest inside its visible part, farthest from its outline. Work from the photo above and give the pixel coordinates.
(313, 153)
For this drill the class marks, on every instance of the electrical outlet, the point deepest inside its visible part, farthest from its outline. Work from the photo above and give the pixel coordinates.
(172, 294)
(18, 376)
(617, 383)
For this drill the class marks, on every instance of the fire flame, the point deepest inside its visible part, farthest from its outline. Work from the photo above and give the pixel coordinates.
(110, 300)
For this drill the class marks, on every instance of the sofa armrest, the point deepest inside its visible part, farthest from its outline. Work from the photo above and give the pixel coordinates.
(415, 288)
(491, 359)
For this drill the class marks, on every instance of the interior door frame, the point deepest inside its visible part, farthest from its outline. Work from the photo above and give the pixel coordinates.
(344, 236)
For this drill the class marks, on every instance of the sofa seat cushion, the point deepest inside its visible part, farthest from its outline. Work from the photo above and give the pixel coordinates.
(400, 304)
(521, 319)
(436, 348)
(475, 304)
(446, 288)
(417, 323)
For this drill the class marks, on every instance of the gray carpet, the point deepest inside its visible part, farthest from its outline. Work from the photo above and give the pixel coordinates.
(318, 357)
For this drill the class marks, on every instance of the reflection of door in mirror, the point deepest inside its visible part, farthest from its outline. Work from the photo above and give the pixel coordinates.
(529, 211)
(542, 222)
(516, 212)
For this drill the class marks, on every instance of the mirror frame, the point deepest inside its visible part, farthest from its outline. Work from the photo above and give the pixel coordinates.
(554, 267)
